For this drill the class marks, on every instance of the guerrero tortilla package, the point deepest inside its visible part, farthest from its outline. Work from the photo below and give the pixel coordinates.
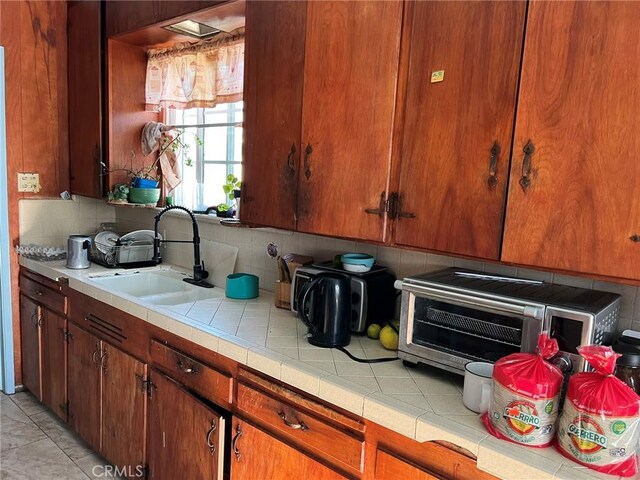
(526, 391)
(599, 427)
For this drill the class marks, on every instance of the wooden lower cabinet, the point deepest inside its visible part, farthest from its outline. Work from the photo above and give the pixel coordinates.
(124, 409)
(256, 454)
(389, 467)
(30, 345)
(186, 437)
(83, 376)
(53, 361)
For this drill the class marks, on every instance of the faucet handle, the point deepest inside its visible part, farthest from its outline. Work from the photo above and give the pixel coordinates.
(205, 274)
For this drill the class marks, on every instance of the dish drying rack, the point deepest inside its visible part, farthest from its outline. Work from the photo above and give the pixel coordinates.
(127, 254)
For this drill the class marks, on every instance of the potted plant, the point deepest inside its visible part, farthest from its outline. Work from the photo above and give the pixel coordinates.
(232, 189)
(224, 211)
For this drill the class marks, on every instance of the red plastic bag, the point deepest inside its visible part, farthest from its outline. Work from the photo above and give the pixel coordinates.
(599, 426)
(526, 391)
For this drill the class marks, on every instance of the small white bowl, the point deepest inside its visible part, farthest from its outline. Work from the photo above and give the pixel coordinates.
(349, 267)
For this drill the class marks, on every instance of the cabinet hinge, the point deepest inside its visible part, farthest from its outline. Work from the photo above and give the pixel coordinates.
(146, 385)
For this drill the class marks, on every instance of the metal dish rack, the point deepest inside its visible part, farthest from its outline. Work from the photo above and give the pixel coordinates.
(130, 255)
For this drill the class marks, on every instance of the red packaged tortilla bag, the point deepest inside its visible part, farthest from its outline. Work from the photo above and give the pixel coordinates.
(526, 393)
(599, 426)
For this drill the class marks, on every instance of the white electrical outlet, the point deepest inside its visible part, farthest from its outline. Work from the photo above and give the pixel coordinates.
(28, 182)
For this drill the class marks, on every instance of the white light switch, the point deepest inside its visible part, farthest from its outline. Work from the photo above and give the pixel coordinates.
(28, 182)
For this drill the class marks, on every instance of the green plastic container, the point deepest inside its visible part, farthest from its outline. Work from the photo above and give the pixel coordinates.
(242, 286)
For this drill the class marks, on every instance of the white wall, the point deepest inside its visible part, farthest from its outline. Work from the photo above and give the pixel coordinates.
(48, 222)
(252, 257)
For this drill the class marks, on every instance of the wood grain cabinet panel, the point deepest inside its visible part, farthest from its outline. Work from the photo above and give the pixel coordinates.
(457, 132)
(389, 467)
(85, 98)
(256, 454)
(54, 362)
(274, 67)
(30, 345)
(350, 79)
(83, 370)
(573, 201)
(124, 412)
(186, 438)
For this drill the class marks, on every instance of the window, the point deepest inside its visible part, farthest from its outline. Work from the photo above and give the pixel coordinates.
(206, 164)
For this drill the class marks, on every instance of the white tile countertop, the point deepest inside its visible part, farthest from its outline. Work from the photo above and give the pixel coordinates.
(421, 403)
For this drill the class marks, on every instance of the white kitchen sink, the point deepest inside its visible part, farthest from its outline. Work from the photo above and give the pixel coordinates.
(164, 287)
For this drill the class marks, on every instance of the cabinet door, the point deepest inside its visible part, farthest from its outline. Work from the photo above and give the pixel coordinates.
(274, 67)
(124, 411)
(351, 65)
(573, 200)
(30, 345)
(83, 370)
(458, 131)
(256, 454)
(53, 362)
(389, 467)
(186, 438)
(85, 98)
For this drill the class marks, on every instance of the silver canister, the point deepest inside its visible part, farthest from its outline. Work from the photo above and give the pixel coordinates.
(78, 249)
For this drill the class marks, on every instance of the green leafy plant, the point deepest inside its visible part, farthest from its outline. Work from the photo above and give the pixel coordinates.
(232, 184)
(223, 207)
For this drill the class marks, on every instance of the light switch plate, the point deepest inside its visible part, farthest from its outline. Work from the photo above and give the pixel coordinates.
(28, 182)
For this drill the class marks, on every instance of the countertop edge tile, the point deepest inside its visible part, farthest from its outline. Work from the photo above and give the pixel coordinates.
(402, 418)
(432, 426)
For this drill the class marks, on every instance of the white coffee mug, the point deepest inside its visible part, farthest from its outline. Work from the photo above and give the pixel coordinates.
(477, 386)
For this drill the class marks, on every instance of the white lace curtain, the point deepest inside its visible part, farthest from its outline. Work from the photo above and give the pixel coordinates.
(196, 75)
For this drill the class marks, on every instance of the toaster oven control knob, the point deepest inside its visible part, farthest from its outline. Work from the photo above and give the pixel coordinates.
(563, 363)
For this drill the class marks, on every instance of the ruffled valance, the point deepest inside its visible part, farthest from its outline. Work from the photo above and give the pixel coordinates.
(196, 75)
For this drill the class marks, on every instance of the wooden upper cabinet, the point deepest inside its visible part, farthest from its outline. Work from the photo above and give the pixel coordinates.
(123, 17)
(85, 98)
(274, 64)
(350, 77)
(461, 88)
(573, 200)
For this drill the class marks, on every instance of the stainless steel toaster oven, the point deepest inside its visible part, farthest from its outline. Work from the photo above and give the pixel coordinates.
(454, 316)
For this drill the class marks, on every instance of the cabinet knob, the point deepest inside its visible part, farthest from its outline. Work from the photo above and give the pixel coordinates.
(234, 442)
(39, 293)
(290, 163)
(528, 150)
(493, 164)
(296, 426)
(210, 444)
(307, 161)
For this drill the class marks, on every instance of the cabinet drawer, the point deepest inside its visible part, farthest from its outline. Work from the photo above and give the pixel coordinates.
(205, 380)
(303, 428)
(45, 296)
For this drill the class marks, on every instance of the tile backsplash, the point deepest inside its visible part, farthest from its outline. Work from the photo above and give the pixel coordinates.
(49, 222)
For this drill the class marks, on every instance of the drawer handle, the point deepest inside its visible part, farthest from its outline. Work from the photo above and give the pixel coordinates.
(39, 293)
(94, 357)
(210, 444)
(187, 368)
(234, 442)
(493, 164)
(296, 426)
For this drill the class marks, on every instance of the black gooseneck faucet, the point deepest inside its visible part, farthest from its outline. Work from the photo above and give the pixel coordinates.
(199, 273)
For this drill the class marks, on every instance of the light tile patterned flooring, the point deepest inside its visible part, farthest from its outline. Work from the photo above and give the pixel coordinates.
(36, 445)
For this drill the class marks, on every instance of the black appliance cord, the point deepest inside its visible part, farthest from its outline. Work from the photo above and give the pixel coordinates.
(365, 360)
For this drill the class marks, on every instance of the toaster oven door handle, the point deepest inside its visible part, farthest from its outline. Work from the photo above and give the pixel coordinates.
(532, 311)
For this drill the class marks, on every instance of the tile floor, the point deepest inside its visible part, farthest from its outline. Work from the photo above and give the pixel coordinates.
(36, 445)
